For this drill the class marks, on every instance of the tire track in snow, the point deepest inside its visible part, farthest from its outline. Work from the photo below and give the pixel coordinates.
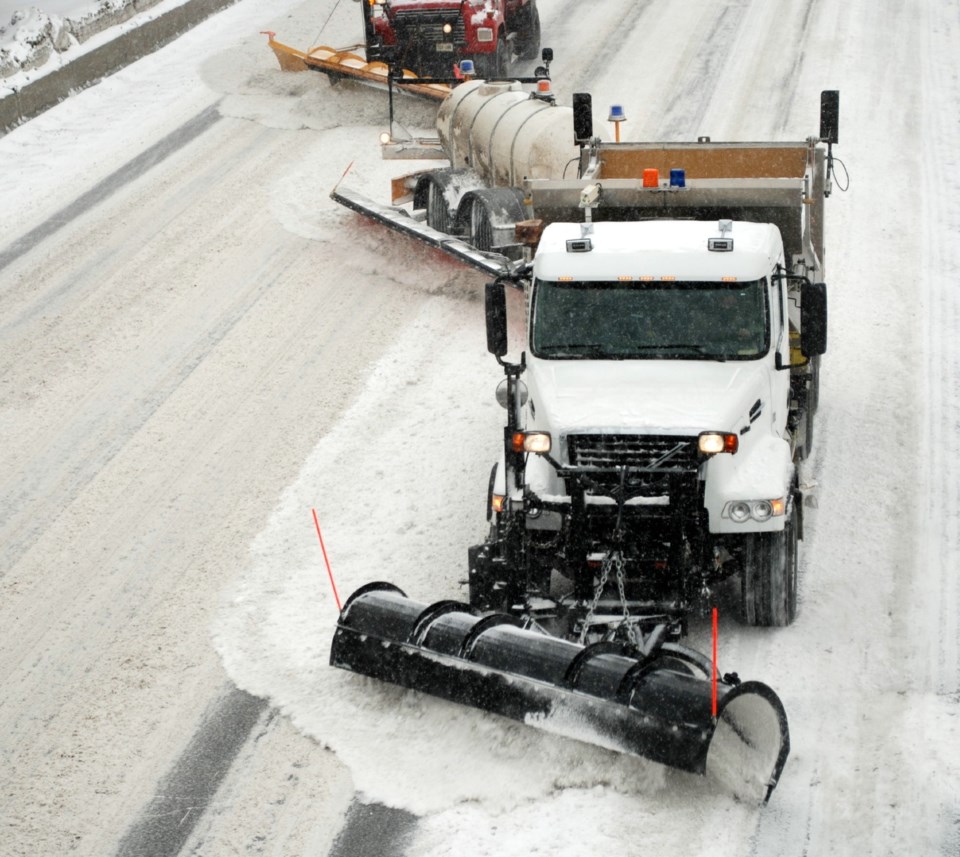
(584, 54)
(939, 518)
(940, 230)
(374, 830)
(103, 190)
(182, 796)
(697, 87)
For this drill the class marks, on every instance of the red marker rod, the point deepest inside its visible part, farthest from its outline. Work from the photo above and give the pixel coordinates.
(713, 681)
(333, 585)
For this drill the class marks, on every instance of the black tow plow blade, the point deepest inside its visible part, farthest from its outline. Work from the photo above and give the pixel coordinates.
(658, 706)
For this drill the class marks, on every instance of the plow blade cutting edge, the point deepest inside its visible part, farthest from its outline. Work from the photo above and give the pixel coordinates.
(657, 706)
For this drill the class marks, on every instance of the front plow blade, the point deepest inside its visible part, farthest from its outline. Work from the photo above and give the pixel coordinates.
(656, 706)
(339, 64)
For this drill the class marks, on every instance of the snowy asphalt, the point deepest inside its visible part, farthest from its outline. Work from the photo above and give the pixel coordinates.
(183, 340)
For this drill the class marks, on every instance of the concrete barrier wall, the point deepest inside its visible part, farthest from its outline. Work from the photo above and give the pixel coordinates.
(85, 70)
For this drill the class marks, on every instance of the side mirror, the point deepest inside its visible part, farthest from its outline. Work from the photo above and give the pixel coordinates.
(495, 300)
(830, 116)
(813, 319)
(582, 118)
(547, 55)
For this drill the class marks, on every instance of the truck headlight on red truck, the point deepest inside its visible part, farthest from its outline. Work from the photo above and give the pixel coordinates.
(485, 34)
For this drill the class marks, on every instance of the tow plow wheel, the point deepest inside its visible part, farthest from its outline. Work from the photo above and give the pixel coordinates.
(657, 705)
(488, 217)
(433, 193)
(769, 576)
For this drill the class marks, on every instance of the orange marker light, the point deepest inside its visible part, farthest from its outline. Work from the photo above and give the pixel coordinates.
(651, 177)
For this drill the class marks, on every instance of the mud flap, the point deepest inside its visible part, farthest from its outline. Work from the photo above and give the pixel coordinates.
(608, 694)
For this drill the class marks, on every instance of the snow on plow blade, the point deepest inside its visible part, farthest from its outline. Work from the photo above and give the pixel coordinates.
(657, 706)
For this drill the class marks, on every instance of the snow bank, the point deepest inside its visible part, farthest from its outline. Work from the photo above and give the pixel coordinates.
(32, 37)
(46, 57)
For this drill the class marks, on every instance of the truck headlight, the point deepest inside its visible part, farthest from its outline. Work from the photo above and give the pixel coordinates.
(484, 34)
(714, 442)
(762, 510)
(740, 511)
(531, 441)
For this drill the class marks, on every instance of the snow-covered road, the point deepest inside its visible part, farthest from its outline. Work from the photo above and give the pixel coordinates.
(197, 348)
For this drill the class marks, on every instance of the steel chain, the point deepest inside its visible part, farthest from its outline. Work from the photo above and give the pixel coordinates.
(631, 628)
(598, 592)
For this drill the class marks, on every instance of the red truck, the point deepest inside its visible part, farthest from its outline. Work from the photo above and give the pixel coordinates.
(431, 37)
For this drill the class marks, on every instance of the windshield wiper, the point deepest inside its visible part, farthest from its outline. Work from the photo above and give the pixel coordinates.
(666, 350)
(670, 346)
(683, 349)
(592, 349)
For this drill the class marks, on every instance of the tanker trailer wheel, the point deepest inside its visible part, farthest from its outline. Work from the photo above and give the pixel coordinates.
(528, 33)
(769, 576)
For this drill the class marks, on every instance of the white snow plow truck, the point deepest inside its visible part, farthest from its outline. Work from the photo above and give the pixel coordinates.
(655, 420)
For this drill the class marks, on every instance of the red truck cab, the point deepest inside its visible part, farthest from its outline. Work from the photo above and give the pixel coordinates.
(431, 37)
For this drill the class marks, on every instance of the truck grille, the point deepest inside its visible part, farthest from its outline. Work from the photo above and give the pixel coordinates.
(653, 453)
(427, 27)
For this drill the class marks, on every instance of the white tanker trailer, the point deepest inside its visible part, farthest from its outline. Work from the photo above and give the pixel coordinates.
(657, 417)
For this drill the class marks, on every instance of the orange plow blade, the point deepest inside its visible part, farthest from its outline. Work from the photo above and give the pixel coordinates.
(344, 63)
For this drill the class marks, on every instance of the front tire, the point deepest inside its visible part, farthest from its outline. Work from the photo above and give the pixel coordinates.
(528, 34)
(493, 66)
(769, 576)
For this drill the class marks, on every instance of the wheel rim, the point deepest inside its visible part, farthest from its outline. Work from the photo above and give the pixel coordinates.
(437, 216)
(481, 231)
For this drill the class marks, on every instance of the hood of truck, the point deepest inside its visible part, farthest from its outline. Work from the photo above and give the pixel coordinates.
(681, 397)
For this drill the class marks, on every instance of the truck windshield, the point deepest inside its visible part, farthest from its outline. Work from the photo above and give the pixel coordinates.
(650, 320)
